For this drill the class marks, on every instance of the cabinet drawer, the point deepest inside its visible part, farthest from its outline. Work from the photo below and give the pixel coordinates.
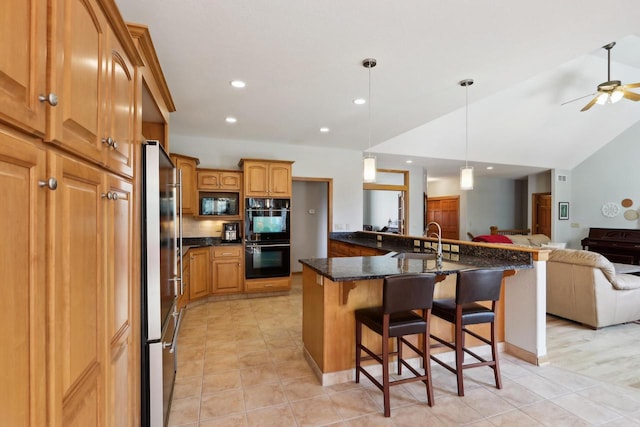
(268, 285)
(227, 251)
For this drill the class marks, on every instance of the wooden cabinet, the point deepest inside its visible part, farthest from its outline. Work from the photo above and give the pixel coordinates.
(227, 273)
(187, 165)
(199, 272)
(24, 301)
(221, 180)
(267, 178)
(23, 64)
(268, 285)
(343, 249)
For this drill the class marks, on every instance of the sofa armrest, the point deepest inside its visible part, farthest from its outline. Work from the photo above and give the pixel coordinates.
(626, 281)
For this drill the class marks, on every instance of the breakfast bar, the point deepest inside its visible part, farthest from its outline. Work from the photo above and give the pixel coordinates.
(333, 288)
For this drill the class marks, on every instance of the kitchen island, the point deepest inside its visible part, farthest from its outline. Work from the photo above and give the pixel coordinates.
(333, 288)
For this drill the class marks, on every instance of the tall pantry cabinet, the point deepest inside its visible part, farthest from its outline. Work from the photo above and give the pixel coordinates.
(70, 77)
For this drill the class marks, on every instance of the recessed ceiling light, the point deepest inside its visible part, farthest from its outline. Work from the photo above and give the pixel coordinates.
(409, 161)
(237, 84)
(324, 129)
(359, 101)
(489, 168)
(231, 120)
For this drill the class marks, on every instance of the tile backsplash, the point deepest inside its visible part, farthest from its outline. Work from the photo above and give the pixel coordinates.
(192, 227)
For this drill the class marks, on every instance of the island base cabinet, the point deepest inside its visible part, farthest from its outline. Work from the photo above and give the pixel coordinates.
(272, 284)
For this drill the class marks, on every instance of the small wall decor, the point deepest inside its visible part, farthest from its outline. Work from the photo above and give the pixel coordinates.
(626, 203)
(610, 209)
(631, 215)
(563, 210)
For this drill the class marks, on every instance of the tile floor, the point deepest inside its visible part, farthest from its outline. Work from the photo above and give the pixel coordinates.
(241, 364)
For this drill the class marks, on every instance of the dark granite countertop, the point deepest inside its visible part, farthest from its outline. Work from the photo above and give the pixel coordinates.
(199, 242)
(376, 267)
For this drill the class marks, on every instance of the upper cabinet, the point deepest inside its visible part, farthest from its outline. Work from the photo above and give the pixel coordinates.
(23, 64)
(220, 180)
(187, 166)
(267, 178)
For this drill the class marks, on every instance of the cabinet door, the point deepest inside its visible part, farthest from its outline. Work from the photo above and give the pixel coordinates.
(120, 361)
(22, 63)
(256, 179)
(121, 89)
(208, 180)
(279, 180)
(77, 69)
(23, 303)
(76, 294)
(200, 273)
(189, 196)
(230, 180)
(227, 276)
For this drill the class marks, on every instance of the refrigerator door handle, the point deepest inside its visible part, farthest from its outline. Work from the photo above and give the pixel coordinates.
(179, 207)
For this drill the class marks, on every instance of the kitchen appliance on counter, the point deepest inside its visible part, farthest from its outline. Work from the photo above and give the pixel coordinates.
(230, 232)
(162, 283)
(267, 234)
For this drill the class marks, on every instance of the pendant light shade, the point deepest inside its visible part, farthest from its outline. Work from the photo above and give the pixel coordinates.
(369, 169)
(369, 162)
(466, 172)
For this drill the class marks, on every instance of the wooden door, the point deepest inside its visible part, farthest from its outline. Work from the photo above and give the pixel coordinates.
(227, 276)
(120, 115)
(76, 294)
(279, 180)
(541, 214)
(23, 29)
(119, 356)
(255, 179)
(23, 302)
(77, 72)
(189, 193)
(199, 273)
(445, 211)
(230, 180)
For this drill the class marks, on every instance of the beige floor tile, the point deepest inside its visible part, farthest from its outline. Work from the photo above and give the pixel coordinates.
(513, 418)
(399, 396)
(303, 388)
(187, 387)
(261, 374)
(354, 403)
(188, 368)
(541, 385)
(220, 404)
(256, 358)
(184, 411)
(516, 394)
(549, 414)
(235, 420)
(293, 369)
(315, 411)
(274, 416)
(452, 410)
(486, 403)
(264, 395)
(214, 383)
(586, 409)
(415, 415)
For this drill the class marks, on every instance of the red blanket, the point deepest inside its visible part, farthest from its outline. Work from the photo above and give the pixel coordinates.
(492, 238)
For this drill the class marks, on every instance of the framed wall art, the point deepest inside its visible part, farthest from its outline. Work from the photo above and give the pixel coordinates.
(563, 210)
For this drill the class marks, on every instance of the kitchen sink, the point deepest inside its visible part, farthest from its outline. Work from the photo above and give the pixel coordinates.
(415, 255)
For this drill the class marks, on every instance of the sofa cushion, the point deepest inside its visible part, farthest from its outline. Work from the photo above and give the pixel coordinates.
(538, 239)
(586, 258)
(520, 239)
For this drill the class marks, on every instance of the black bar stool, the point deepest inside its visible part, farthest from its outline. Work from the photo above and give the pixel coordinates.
(400, 295)
(472, 286)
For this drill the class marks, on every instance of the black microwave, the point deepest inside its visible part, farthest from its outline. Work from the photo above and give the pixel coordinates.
(219, 204)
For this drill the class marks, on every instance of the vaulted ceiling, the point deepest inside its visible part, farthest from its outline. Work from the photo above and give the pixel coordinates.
(302, 64)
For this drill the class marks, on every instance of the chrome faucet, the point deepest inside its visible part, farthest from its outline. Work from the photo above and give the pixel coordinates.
(439, 236)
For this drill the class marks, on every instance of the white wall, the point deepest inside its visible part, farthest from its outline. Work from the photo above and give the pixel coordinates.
(610, 175)
(308, 222)
(344, 166)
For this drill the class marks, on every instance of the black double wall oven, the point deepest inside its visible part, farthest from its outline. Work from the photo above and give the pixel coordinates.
(267, 237)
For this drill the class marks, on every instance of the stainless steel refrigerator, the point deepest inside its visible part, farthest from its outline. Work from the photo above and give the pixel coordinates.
(162, 282)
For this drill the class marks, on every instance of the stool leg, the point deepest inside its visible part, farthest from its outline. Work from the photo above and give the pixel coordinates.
(426, 364)
(494, 353)
(358, 343)
(385, 374)
(459, 357)
(399, 358)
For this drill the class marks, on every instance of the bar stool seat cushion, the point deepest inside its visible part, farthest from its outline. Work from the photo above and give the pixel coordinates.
(400, 323)
(472, 313)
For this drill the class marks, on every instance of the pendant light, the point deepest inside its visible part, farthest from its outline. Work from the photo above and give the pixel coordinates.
(369, 161)
(466, 172)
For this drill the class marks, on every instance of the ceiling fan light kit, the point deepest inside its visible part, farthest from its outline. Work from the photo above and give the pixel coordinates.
(612, 91)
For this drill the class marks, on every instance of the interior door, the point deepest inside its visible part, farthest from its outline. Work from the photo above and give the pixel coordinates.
(445, 211)
(541, 214)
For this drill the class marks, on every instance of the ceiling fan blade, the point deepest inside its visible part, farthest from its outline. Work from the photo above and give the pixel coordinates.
(631, 95)
(577, 99)
(631, 85)
(590, 104)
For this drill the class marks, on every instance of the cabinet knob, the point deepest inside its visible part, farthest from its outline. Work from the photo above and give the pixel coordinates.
(51, 98)
(111, 143)
(50, 183)
(110, 195)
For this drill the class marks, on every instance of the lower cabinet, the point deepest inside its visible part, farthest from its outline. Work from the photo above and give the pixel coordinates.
(343, 249)
(199, 272)
(227, 273)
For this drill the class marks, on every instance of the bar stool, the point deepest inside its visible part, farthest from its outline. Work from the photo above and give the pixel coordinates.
(401, 294)
(472, 286)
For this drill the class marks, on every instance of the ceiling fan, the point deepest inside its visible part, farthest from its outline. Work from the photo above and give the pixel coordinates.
(612, 91)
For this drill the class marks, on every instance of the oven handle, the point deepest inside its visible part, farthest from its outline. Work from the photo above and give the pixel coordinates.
(277, 245)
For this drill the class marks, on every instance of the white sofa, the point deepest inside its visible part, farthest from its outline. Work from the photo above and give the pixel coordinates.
(583, 286)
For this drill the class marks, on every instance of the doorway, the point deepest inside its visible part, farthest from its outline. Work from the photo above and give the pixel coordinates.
(444, 210)
(311, 219)
(541, 214)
